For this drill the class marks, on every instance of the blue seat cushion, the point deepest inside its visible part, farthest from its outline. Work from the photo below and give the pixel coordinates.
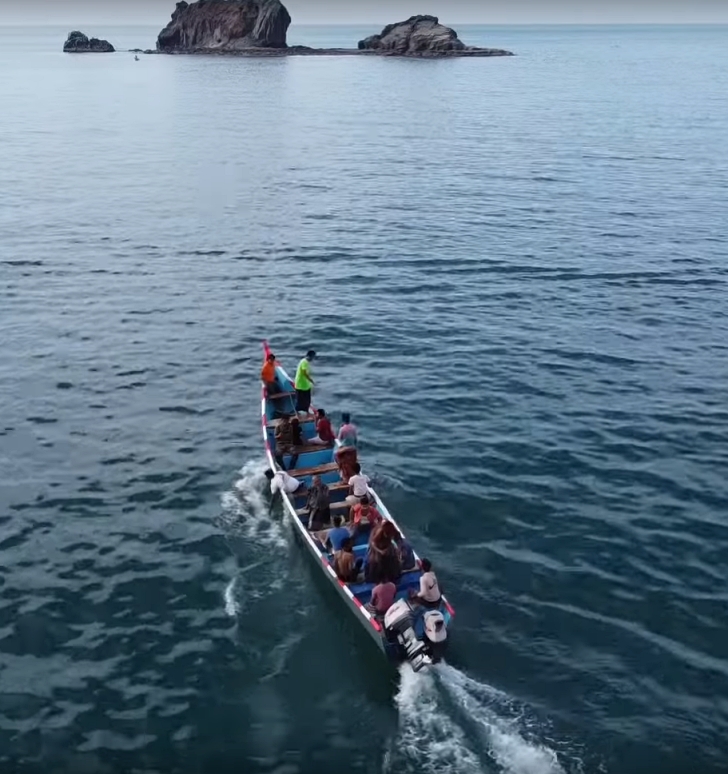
(407, 581)
(361, 589)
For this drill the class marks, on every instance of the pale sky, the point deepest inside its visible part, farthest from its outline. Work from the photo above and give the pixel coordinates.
(380, 12)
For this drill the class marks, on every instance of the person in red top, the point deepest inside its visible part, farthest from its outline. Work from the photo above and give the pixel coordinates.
(268, 375)
(364, 514)
(383, 595)
(324, 433)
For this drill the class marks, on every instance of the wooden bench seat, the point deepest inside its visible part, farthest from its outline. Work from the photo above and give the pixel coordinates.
(338, 486)
(309, 448)
(280, 395)
(329, 467)
(302, 420)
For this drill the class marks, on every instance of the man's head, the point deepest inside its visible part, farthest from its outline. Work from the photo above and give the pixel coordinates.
(317, 480)
(365, 502)
(271, 358)
(285, 419)
(338, 520)
(311, 354)
(346, 418)
(357, 468)
(269, 474)
(347, 544)
(426, 565)
(321, 413)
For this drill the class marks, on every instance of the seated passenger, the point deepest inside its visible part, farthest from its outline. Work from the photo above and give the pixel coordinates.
(346, 454)
(282, 482)
(285, 442)
(317, 504)
(335, 537)
(346, 565)
(358, 486)
(324, 434)
(363, 515)
(382, 562)
(268, 375)
(406, 552)
(429, 595)
(383, 595)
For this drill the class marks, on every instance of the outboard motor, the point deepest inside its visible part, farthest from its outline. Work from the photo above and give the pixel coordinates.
(398, 626)
(435, 634)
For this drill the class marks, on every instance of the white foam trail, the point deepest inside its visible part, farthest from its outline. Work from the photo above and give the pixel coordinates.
(503, 738)
(440, 708)
(428, 739)
(246, 515)
(232, 608)
(246, 510)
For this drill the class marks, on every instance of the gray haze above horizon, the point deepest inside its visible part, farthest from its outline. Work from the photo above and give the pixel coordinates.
(380, 12)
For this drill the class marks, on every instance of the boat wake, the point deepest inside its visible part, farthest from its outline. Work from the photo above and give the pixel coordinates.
(452, 724)
(246, 511)
(232, 604)
(253, 532)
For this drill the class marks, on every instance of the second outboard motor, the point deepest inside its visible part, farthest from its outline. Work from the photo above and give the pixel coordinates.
(435, 634)
(398, 626)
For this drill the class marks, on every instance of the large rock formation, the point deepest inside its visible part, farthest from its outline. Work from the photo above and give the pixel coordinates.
(78, 43)
(422, 36)
(259, 27)
(225, 25)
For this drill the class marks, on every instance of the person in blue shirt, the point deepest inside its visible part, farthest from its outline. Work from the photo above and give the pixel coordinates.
(336, 537)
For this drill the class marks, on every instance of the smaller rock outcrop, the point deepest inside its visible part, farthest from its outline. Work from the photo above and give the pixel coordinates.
(225, 25)
(422, 36)
(78, 43)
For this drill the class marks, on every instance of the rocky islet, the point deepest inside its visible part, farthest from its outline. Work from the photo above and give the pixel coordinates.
(78, 43)
(422, 36)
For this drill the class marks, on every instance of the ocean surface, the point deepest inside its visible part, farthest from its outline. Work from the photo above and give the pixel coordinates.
(514, 271)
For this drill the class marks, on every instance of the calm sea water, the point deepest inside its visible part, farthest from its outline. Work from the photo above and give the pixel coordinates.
(515, 273)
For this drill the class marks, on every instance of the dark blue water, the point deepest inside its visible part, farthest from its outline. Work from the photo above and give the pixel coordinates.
(515, 273)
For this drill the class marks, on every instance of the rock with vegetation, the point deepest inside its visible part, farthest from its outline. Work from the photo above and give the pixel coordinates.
(225, 26)
(423, 36)
(78, 43)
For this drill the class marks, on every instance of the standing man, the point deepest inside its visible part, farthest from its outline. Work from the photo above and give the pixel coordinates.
(268, 375)
(304, 382)
(286, 439)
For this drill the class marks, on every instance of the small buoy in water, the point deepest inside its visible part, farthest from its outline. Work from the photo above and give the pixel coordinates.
(136, 58)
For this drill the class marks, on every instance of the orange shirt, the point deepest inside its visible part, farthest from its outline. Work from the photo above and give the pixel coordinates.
(268, 372)
(374, 517)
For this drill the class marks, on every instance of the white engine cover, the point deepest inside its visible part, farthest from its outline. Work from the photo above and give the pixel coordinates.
(399, 611)
(435, 629)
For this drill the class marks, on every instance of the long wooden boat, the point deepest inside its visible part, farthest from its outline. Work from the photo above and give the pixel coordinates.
(405, 633)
